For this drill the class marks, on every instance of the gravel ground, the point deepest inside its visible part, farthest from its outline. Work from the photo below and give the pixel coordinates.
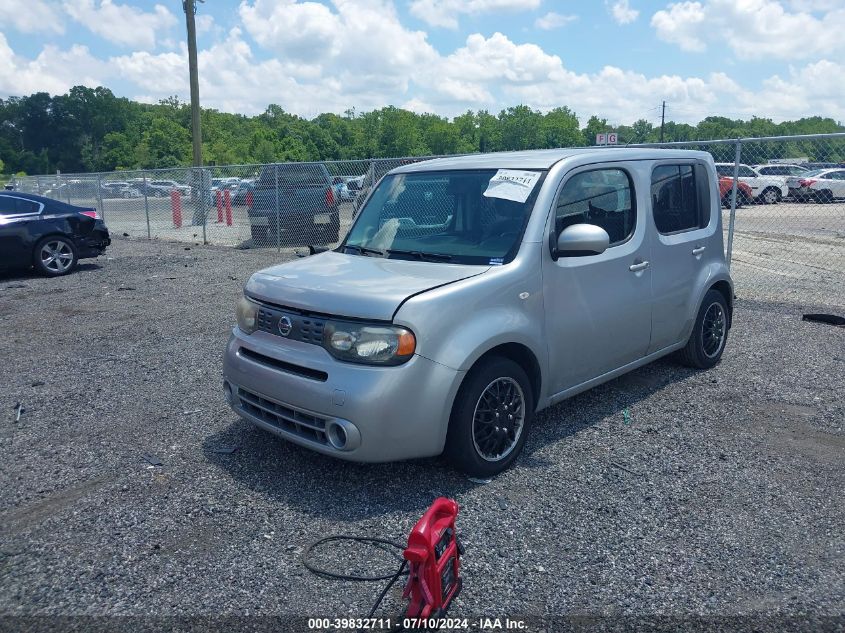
(717, 494)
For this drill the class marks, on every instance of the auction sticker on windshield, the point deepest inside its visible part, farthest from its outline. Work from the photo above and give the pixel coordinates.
(512, 184)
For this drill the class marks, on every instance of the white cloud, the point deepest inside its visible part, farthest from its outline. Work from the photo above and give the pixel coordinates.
(204, 22)
(31, 16)
(371, 60)
(754, 29)
(121, 24)
(364, 44)
(554, 20)
(622, 12)
(53, 70)
(445, 13)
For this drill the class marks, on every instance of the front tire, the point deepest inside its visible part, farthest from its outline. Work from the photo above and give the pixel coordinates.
(55, 256)
(490, 418)
(709, 334)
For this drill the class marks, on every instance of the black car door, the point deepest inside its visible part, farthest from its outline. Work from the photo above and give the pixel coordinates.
(16, 218)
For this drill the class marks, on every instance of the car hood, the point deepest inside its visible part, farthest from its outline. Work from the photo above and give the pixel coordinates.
(352, 285)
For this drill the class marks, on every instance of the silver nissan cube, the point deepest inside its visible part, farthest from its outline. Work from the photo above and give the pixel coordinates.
(473, 291)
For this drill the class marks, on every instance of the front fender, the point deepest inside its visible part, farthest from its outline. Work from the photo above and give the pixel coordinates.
(458, 323)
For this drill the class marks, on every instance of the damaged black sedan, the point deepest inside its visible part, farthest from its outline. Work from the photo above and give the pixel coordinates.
(50, 235)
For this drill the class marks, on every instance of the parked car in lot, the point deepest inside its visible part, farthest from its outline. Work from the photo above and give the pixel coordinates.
(158, 188)
(821, 185)
(355, 184)
(305, 211)
(240, 196)
(50, 235)
(763, 189)
(744, 195)
(780, 170)
(816, 165)
(341, 190)
(120, 190)
(473, 291)
(225, 183)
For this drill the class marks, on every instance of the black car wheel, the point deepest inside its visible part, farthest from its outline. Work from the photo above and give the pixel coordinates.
(825, 196)
(260, 236)
(55, 256)
(490, 418)
(709, 334)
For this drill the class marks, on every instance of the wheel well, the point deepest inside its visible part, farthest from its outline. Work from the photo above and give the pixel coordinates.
(725, 288)
(523, 357)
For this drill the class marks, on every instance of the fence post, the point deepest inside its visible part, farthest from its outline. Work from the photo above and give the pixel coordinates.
(100, 198)
(204, 197)
(737, 159)
(146, 205)
(278, 219)
(67, 189)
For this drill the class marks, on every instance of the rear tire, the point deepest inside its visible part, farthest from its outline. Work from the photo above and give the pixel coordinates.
(55, 256)
(709, 334)
(260, 235)
(490, 418)
(825, 196)
(771, 196)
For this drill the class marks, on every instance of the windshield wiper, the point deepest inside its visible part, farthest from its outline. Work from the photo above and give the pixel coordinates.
(433, 257)
(365, 250)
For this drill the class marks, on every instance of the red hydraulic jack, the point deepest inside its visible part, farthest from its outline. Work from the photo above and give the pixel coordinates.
(434, 559)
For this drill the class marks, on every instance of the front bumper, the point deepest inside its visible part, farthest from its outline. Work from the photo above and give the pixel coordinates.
(304, 395)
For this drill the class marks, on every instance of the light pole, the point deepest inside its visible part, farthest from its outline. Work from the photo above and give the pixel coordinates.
(200, 180)
(190, 8)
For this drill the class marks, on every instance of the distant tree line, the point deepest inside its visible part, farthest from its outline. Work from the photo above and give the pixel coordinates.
(90, 129)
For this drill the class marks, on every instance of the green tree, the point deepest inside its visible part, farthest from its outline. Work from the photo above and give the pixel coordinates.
(521, 128)
(560, 128)
(595, 126)
(164, 144)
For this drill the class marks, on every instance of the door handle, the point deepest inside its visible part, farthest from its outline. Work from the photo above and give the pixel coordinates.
(635, 268)
(698, 250)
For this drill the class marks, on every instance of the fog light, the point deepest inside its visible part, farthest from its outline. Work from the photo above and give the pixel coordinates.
(337, 436)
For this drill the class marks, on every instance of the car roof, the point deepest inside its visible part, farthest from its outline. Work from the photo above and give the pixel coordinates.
(55, 205)
(28, 196)
(543, 158)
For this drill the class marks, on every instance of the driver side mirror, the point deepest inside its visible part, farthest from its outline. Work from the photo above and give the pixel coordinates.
(580, 239)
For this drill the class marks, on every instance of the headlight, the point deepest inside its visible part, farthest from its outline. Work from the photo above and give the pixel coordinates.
(247, 312)
(370, 344)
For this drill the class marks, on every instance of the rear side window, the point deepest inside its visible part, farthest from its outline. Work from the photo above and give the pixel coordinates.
(10, 205)
(676, 203)
(603, 197)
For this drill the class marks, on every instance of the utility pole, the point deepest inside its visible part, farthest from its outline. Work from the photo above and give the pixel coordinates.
(662, 121)
(190, 8)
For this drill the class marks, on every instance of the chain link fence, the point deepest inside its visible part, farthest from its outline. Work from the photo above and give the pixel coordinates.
(783, 201)
(276, 206)
(784, 215)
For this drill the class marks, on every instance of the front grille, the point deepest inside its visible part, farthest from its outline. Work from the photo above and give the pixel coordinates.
(307, 329)
(284, 417)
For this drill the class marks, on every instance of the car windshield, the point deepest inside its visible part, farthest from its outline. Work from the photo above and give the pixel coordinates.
(455, 216)
(815, 172)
